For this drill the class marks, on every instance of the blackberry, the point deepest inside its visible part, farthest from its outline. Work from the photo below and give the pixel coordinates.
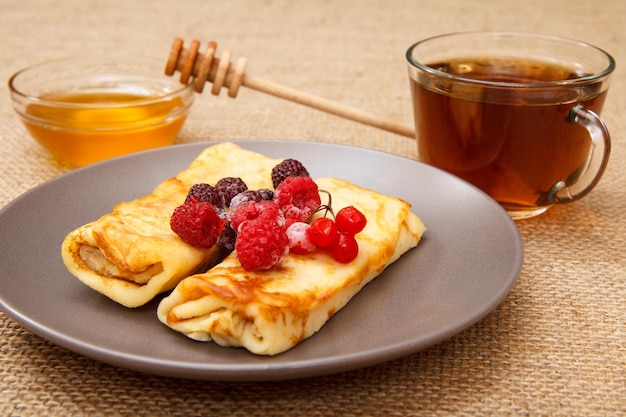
(205, 193)
(288, 168)
(228, 237)
(266, 195)
(229, 187)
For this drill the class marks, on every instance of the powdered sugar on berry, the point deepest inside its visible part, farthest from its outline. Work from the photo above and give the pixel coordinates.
(298, 197)
(299, 241)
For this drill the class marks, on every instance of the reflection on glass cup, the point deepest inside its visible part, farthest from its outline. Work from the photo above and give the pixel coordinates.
(515, 114)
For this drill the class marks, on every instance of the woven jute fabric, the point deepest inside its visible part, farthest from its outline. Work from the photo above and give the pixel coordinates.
(556, 346)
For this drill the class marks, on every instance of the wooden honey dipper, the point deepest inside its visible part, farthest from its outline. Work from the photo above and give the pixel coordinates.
(221, 73)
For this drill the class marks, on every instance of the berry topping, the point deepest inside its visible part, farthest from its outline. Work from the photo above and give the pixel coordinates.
(248, 196)
(350, 220)
(229, 187)
(264, 211)
(299, 241)
(323, 232)
(261, 244)
(297, 197)
(345, 249)
(197, 223)
(263, 226)
(288, 168)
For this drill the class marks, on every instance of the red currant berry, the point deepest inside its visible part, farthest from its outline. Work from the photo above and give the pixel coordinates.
(289, 221)
(350, 220)
(345, 249)
(299, 240)
(323, 232)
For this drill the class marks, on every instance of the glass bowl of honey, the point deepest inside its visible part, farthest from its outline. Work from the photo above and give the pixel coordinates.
(84, 110)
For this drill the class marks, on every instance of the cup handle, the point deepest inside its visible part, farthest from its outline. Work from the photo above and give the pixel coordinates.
(596, 162)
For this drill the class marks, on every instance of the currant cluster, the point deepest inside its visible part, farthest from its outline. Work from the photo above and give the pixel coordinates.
(263, 225)
(338, 235)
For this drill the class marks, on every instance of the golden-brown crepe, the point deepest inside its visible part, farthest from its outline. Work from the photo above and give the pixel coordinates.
(271, 311)
(131, 254)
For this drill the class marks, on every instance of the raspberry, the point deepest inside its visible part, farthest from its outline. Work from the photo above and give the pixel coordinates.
(288, 168)
(266, 211)
(229, 187)
(261, 244)
(245, 197)
(205, 193)
(197, 223)
(299, 241)
(297, 197)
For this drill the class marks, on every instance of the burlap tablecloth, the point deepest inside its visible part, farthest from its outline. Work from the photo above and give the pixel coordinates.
(555, 347)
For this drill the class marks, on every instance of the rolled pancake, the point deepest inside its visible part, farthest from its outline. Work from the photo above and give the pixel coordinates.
(131, 254)
(269, 312)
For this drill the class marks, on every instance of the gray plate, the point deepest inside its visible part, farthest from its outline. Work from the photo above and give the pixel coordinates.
(465, 265)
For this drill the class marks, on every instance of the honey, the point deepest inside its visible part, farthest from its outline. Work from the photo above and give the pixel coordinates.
(86, 127)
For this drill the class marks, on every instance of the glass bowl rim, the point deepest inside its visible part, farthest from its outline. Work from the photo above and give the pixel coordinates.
(181, 89)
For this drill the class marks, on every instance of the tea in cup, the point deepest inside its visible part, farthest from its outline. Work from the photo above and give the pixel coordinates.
(515, 114)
